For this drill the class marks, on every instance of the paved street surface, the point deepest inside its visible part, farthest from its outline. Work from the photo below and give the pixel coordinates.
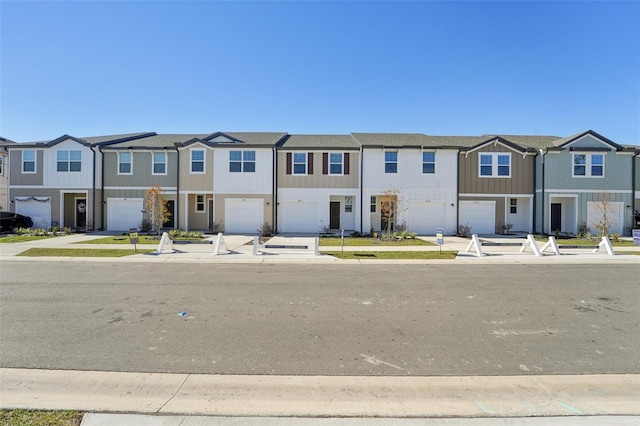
(331, 319)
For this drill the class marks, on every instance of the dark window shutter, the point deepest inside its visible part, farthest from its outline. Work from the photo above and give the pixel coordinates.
(310, 163)
(288, 163)
(346, 163)
(325, 163)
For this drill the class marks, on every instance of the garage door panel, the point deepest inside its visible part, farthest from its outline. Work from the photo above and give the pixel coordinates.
(123, 214)
(426, 217)
(38, 211)
(299, 217)
(243, 216)
(479, 215)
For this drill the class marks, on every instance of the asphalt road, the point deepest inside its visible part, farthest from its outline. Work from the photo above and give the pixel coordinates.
(321, 319)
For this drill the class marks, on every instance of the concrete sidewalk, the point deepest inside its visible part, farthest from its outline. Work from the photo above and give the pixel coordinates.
(322, 396)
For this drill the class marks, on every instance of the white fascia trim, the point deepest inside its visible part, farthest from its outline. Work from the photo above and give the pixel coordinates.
(495, 142)
(587, 191)
(137, 188)
(497, 195)
(80, 188)
(205, 192)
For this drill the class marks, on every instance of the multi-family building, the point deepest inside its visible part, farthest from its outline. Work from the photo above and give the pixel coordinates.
(240, 181)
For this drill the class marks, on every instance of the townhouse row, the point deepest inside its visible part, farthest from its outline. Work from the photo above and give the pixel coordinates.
(316, 183)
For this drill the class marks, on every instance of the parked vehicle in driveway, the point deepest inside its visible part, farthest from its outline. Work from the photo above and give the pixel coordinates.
(10, 220)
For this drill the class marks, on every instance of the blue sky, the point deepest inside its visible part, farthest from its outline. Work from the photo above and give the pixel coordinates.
(441, 68)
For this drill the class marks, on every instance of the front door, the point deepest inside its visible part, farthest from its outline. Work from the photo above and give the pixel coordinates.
(334, 215)
(171, 222)
(81, 213)
(556, 217)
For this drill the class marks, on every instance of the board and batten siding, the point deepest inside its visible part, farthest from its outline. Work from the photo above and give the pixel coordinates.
(142, 165)
(82, 179)
(15, 169)
(520, 182)
(317, 179)
(558, 169)
(258, 182)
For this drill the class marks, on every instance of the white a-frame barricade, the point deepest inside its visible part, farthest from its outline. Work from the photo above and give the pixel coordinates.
(530, 243)
(607, 245)
(475, 245)
(165, 245)
(220, 243)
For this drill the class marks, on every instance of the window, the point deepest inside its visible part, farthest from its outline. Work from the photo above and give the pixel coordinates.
(372, 209)
(513, 205)
(159, 163)
(199, 203)
(28, 161)
(588, 165)
(1, 164)
(391, 162)
(428, 162)
(69, 161)
(348, 204)
(335, 163)
(299, 164)
(124, 163)
(495, 165)
(242, 161)
(197, 161)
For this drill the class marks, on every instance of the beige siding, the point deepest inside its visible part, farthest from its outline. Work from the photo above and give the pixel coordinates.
(317, 179)
(68, 211)
(19, 178)
(520, 182)
(219, 206)
(198, 220)
(196, 182)
(142, 168)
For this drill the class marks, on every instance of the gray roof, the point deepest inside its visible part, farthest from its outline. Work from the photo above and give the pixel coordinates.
(321, 142)
(397, 140)
(5, 141)
(156, 141)
(257, 138)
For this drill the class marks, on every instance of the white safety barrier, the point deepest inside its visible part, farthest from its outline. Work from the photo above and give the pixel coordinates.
(165, 244)
(219, 243)
(531, 243)
(475, 244)
(607, 245)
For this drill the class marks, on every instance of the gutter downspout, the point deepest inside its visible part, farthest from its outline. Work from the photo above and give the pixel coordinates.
(534, 199)
(93, 195)
(274, 191)
(361, 190)
(634, 188)
(177, 211)
(102, 189)
(543, 201)
(457, 194)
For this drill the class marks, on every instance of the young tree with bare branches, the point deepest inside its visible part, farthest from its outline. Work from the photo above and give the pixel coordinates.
(157, 207)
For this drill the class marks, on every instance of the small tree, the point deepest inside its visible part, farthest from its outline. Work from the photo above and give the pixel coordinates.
(157, 207)
(391, 204)
(604, 215)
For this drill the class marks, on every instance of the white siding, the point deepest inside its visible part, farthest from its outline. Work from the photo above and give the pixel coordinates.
(322, 198)
(258, 182)
(78, 180)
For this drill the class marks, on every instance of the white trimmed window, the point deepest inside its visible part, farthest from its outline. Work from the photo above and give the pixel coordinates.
(200, 203)
(373, 205)
(69, 161)
(159, 163)
(429, 162)
(197, 160)
(299, 163)
(335, 163)
(513, 206)
(496, 165)
(125, 166)
(588, 165)
(242, 161)
(28, 161)
(391, 162)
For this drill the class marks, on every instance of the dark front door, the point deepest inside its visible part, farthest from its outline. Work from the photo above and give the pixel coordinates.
(81, 213)
(556, 217)
(170, 223)
(334, 215)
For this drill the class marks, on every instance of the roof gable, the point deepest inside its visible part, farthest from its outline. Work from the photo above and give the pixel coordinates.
(497, 141)
(587, 139)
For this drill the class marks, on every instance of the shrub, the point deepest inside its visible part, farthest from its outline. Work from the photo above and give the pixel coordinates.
(265, 230)
(145, 226)
(216, 227)
(412, 235)
(614, 237)
(583, 228)
(401, 227)
(464, 230)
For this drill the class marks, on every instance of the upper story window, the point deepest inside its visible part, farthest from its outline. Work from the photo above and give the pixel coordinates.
(28, 161)
(588, 165)
(335, 163)
(391, 162)
(69, 161)
(428, 162)
(159, 163)
(299, 163)
(197, 161)
(495, 165)
(125, 166)
(242, 161)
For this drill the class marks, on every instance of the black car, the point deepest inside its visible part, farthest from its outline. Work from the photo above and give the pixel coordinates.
(10, 220)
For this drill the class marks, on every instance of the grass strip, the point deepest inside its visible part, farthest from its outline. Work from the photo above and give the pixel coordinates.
(70, 252)
(23, 238)
(124, 239)
(20, 417)
(585, 242)
(363, 241)
(446, 254)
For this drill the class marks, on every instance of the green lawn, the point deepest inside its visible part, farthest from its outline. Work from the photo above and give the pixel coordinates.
(447, 254)
(363, 241)
(123, 239)
(22, 238)
(40, 418)
(58, 252)
(585, 242)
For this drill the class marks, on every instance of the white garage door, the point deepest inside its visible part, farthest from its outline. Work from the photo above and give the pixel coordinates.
(609, 214)
(38, 209)
(243, 215)
(298, 216)
(124, 213)
(479, 215)
(426, 217)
